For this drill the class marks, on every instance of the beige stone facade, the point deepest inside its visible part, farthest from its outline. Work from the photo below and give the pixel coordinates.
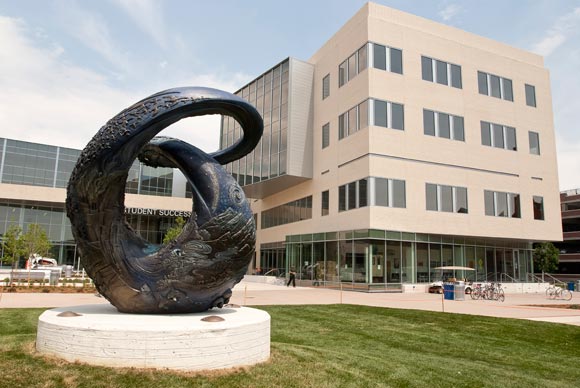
(418, 159)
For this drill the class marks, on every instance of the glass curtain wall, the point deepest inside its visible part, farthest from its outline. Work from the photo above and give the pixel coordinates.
(374, 259)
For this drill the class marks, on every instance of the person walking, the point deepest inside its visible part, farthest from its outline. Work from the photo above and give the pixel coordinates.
(292, 278)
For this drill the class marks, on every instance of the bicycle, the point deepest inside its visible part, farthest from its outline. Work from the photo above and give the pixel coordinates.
(561, 293)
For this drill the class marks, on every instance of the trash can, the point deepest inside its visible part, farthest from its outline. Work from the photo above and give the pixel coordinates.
(68, 269)
(448, 291)
(577, 285)
(570, 286)
(459, 290)
(54, 276)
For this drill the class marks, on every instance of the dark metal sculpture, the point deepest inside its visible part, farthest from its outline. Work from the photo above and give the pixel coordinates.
(196, 271)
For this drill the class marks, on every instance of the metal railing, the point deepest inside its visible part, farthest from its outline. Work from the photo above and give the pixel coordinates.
(504, 276)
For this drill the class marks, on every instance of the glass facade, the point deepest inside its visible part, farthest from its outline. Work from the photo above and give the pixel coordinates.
(55, 223)
(32, 164)
(379, 259)
(298, 210)
(269, 94)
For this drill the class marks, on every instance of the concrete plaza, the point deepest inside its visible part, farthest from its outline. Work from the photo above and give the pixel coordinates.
(516, 305)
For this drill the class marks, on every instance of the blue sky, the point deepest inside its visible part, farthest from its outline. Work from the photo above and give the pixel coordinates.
(67, 66)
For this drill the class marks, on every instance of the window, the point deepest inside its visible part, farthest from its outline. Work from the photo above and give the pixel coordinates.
(380, 113)
(396, 61)
(362, 58)
(498, 136)
(427, 69)
(342, 73)
(379, 57)
(538, 207)
(534, 142)
(385, 192)
(446, 198)
(326, 86)
(443, 125)
(343, 125)
(355, 119)
(325, 203)
(325, 135)
(398, 121)
(530, 95)
(456, 76)
(485, 133)
(350, 68)
(399, 199)
(342, 198)
(495, 86)
(501, 204)
(482, 83)
(387, 58)
(434, 70)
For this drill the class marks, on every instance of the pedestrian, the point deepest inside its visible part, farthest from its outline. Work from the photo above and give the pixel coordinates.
(292, 278)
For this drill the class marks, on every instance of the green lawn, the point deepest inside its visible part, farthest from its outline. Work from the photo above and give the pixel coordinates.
(339, 346)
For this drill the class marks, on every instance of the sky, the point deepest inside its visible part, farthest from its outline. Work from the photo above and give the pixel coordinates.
(68, 66)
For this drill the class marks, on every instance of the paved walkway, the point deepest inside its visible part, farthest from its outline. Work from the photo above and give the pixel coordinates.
(519, 306)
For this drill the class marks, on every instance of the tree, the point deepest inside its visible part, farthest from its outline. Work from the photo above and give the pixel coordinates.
(13, 245)
(546, 257)
(174, 231)
(36, 241)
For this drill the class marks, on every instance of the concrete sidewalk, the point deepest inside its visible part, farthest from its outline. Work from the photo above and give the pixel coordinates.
(520, 306)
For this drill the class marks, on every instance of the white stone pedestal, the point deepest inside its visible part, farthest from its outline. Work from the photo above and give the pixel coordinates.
(101, 335)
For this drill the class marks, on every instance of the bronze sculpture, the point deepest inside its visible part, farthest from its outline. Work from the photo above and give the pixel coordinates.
(196, 271)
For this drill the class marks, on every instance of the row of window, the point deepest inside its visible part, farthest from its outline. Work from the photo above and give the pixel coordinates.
(294, 211)
(371, 191)
(499, 136)
(376, 55)
(443, 73)
(432, 70)
(443, 125)
(392, 115)
(444, 198)
(374, 191)
(371, 112)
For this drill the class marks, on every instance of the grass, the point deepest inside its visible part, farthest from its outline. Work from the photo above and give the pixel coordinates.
(339, 346)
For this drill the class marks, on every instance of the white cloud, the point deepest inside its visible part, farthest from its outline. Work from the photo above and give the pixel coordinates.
(46, 99)
(148, 15)
(566, 26)
(92, 31)
(449, 12)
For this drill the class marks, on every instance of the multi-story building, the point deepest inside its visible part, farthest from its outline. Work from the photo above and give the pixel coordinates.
(401, 146)
(570, 247)
(33, 179)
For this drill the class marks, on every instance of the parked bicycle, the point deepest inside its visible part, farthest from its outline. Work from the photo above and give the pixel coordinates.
(491, 291)
(558, 292)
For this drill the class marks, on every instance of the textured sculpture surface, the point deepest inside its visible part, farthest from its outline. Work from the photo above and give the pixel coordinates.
(196, 271)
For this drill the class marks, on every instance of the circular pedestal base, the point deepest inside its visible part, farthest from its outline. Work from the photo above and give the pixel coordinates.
(100, 335)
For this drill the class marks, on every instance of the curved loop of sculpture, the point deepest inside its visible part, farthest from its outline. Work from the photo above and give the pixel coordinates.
(196, 271)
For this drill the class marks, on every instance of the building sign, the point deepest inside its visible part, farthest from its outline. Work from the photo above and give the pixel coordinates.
(157, 212)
